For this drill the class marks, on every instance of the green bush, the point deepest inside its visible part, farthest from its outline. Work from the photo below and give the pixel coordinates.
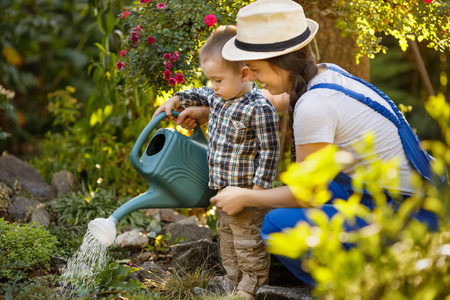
(23, 248)
(81, 207)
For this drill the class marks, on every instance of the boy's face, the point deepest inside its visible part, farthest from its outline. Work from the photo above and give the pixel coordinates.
(225, 83)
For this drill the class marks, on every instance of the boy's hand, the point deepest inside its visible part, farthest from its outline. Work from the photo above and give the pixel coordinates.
(192, 115)
(167, 107)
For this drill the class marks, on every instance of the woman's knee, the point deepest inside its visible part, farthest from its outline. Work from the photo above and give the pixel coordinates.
(278, 219)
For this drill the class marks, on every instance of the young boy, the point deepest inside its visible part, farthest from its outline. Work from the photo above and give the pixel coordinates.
(243, 151)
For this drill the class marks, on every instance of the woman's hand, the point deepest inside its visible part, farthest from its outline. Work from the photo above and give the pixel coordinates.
(230, 200)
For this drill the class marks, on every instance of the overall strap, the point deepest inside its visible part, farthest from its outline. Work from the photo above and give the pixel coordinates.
(419, 158)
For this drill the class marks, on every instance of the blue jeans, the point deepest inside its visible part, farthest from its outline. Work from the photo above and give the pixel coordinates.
(279, 219)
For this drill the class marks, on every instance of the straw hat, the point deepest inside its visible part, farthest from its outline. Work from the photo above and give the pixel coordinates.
(269, 28)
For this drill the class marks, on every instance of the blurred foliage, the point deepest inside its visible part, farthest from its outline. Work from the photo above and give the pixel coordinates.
(45, 45)
(396, 74)
(394, 257)
(421, 20)
(18, 250)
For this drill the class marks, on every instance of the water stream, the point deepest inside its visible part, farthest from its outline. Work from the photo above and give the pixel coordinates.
(78, 277)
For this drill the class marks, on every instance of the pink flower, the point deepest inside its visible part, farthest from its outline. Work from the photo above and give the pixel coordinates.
(150, 40)
(427, 1)
(119, 65)
(161, 6)
(211, 20)
(175, 56)
(167, 74)
(179, 78)
(138, 28)
(145, 1)
(166, 56)
(125, 13)
(171, 81)
(123, 53)
(168, 64)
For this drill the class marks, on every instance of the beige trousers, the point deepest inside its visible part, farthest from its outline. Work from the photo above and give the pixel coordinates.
(242, 250)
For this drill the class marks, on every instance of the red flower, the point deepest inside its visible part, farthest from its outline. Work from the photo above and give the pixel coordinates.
(171, 81)
(166, 56)
(123, 53)
(168, 64)
(125, 13)
(175, 56)
(160, 6)
(179, 78)
(145, 1)
(211, 20)
(427, 1)
(119, 65)
(150, 40)
(167, 74)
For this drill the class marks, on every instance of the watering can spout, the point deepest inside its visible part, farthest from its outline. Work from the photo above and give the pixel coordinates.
(148, 199)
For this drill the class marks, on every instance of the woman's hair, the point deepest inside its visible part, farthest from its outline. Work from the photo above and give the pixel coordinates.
(214, 44)
(302, 66)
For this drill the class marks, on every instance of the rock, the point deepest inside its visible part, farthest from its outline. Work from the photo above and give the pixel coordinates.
(169, 215)
(40, 215)
(195, 254)
(283, 293)
(190, 231)
(148, 271)
(132, 239)
(220, 286)
(21, 209)
(12, 168)
(64, 182)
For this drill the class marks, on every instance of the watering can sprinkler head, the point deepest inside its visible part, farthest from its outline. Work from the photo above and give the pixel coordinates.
(104, 230)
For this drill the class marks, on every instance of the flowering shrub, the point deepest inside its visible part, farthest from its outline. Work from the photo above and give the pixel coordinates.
(173, 31)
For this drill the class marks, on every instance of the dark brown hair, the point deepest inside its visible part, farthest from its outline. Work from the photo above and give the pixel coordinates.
(214, 44)
(302, 66)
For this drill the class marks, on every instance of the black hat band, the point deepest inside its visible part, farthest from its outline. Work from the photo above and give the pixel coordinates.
(279, 46)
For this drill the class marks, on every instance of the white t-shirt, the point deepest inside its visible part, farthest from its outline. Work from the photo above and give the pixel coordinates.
(329, 116)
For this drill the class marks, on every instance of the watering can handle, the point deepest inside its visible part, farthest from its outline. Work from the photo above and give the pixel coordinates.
(197, 135)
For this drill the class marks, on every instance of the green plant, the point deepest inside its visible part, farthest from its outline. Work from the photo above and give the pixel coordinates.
(38, 288)
(81, 207)
(162, 243)
(394, 256)
(23, 248)
(179, 284)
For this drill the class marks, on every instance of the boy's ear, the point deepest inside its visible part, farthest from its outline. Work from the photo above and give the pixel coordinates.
(245, 72)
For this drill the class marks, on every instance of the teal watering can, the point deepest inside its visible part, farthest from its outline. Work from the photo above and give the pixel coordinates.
(175, 168)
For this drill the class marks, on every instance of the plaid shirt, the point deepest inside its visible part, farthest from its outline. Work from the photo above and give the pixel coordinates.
(243, 137)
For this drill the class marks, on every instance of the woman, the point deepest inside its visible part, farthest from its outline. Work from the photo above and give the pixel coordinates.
(273, 39)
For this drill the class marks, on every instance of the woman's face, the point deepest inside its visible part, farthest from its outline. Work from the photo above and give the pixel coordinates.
(271, 77)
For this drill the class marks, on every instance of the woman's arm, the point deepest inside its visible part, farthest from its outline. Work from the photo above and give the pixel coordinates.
(234, 199)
